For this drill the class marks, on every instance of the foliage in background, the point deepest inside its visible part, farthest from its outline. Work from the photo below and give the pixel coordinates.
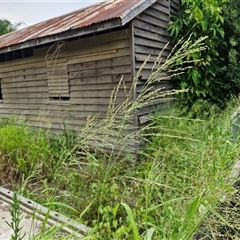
(231, 14)
(6, 26)
(204, 80)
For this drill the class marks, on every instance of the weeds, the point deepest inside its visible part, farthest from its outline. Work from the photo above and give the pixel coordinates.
(167, 195)
(16, 216)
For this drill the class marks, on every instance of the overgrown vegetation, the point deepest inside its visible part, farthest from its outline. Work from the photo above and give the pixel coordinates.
(16, 215)
(181, 175)
(180, 187)
(216, 77)
(231, 14)
(201, 18)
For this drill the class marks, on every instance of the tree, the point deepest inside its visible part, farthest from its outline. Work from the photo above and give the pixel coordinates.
(6, 26)
(231, 14)
(202, 18)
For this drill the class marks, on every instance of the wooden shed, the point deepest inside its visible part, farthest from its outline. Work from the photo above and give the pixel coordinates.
(63, 70)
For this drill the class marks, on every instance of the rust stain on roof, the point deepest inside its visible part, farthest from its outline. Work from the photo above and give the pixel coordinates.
(81, 18)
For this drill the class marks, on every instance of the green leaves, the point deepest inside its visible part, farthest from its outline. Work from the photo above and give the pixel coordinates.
(6, 26)
(201, 18)
(231, 14)
(133, 224)
(185, 232)
(16, 216)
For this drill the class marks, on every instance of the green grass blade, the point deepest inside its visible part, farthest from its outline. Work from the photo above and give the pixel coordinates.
(132, 221)
(49, 233)
(86, 209)
(186, 228)
(149, 234)
(62, 205)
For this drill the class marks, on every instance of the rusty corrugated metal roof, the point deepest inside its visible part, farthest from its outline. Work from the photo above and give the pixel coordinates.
(97, 13)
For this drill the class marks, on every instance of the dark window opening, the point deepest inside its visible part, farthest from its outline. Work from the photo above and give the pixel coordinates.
(9, 56)
(2, 57)
(27, 52)
(59, 99)
(21, 53)
(17, 54)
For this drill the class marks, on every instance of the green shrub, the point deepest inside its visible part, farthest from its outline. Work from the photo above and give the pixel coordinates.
(190, 162)
(205, 80)
(23, 150)
(231, 14)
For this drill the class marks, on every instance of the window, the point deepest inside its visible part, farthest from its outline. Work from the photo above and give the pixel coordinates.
(57, 73)
(58, 84)
(59, 99)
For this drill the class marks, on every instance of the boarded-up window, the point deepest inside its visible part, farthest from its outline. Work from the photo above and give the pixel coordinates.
(57, 73)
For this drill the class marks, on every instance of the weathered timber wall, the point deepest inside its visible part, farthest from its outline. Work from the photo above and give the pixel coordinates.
(150, 38)
(82, 73)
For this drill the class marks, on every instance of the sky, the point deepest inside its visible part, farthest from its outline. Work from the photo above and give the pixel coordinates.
(35, 11)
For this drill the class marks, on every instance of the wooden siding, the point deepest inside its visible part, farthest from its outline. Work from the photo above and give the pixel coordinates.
(174, 7)
(87, 70)
(150, 37)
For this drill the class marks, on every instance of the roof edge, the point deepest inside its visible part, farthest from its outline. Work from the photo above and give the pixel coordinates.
(119, 21)
(133, 12)
(97, 27)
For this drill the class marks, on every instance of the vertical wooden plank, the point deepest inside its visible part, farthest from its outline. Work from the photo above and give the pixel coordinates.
(132, 55)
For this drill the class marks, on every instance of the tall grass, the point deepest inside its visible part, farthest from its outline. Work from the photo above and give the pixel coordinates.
(193, 158)
(181, 175)
(21, 152)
